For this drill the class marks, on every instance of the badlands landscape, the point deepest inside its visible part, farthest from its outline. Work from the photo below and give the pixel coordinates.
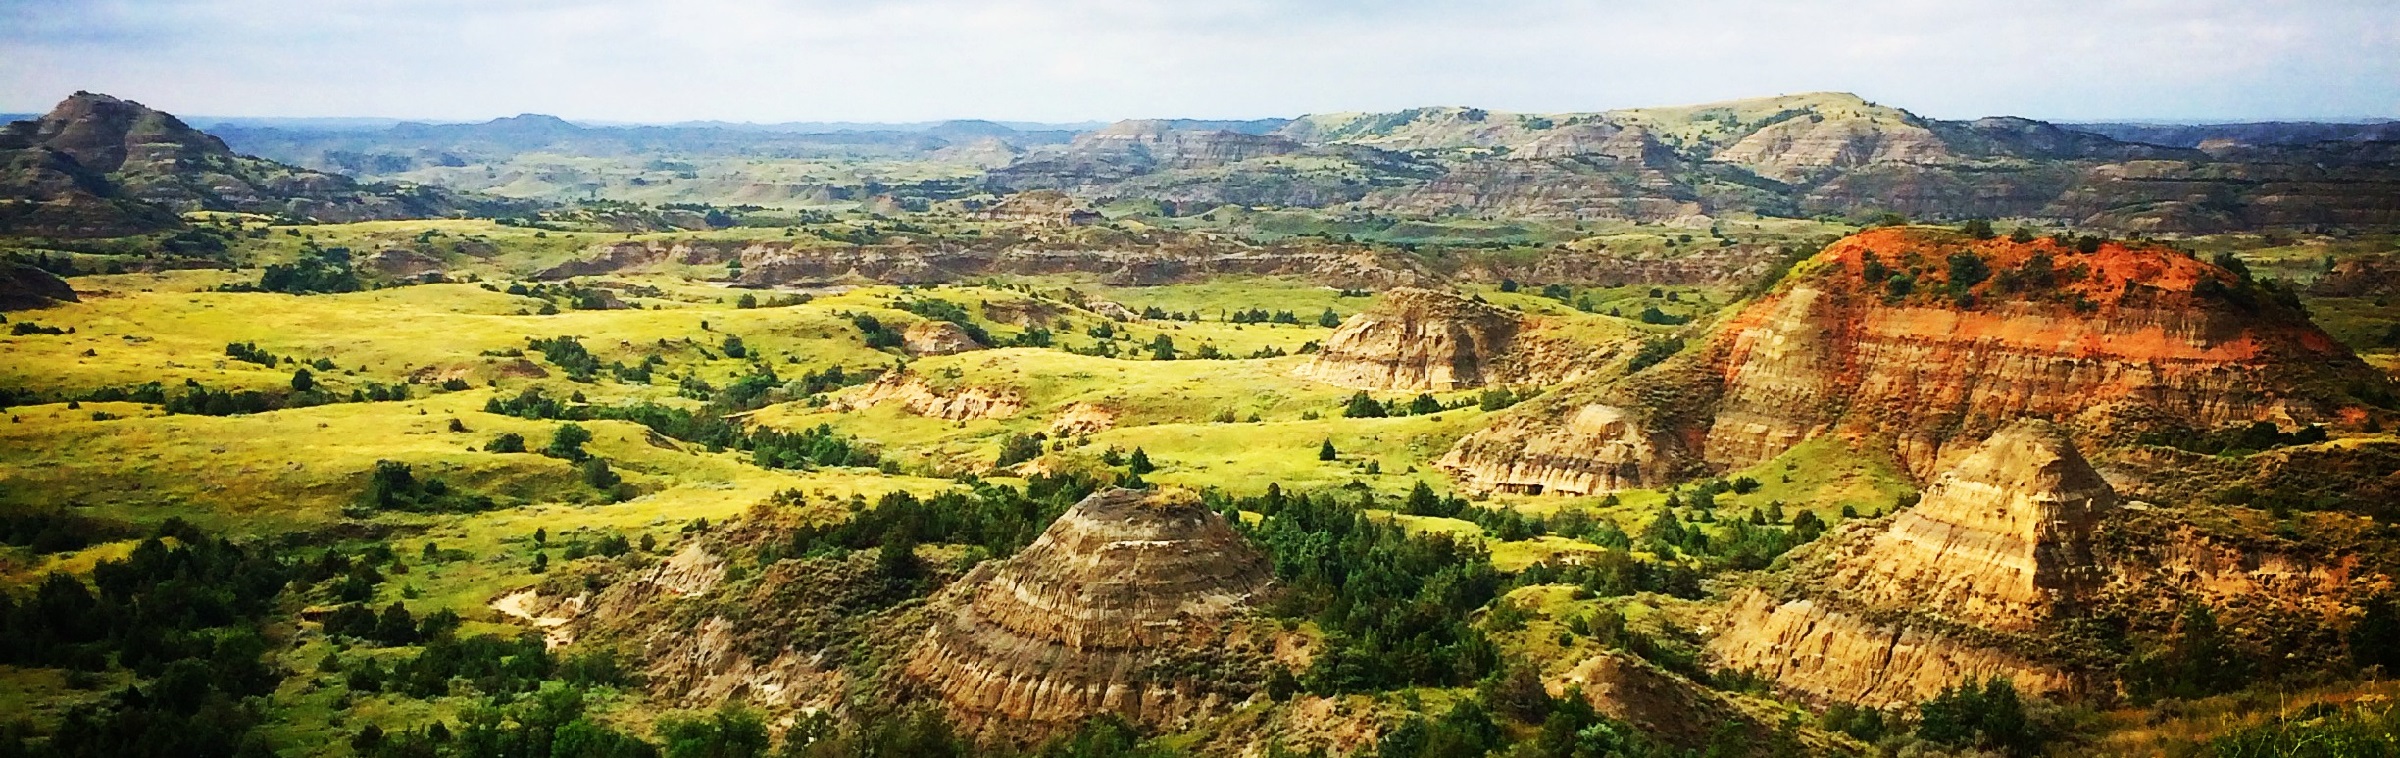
(1797, 425)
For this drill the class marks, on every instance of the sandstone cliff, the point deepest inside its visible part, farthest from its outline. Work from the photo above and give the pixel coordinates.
(1125, 605)
(937, 338)
(2002, 543)
(1418, 339)
(2004, 569)
(920, 397)
(1933, 340)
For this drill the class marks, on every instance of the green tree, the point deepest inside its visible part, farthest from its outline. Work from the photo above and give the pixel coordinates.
(1162, 348)
(1977, 228)
(507, 442)
(1326, 452)
(1362, 405)
(1139, 463)
(1329, 319)
(568, 442)
(302, 381)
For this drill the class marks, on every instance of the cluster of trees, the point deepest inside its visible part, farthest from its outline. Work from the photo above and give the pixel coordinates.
(318, 270)
(2235, 440)
(394, 486)
(1261, 316)
(878, 335)
(708, 426)
(999, 519)
(1653, 351)
(813, 446)
(569, 355)
(55, 530)
(186, 619)
(1394, 605)
(1363, 405)
(394, 627)
(24, 328)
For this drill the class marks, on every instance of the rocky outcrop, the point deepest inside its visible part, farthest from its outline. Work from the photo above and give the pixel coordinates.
(1083, 418)
(1660, 703)
(2003, 543)
(24, 287)
(1042, 208)
(937, 338)
(2000, 571)
(920, 397)
(97, 166)
(1809, 648)
(1125, 605)
(1871, 338)
(1418, 339)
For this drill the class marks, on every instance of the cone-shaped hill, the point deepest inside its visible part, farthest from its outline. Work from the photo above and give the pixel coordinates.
(2004, 568)
(1124, 605)
(1932, 340)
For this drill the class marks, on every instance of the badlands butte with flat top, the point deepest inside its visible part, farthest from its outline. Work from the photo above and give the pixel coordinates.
(1801, 425)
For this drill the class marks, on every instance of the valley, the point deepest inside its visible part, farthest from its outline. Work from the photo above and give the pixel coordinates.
(1792, 426)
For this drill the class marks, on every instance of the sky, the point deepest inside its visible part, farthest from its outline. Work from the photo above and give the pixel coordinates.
(1081, 60)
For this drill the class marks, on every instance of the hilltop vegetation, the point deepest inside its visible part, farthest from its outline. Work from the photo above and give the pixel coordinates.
(845, 449)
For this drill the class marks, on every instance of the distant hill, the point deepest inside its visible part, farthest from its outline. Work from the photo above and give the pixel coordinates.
(1793, 155)
(2254, 134)
(100, 166)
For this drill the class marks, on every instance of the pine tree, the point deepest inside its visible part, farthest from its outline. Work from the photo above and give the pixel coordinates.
(302, 381)
(1139, 463)
(1327, 453)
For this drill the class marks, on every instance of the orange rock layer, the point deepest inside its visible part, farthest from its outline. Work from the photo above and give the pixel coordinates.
(2123, 337)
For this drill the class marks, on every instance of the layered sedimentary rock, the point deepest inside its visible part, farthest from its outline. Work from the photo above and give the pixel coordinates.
(1419, 339)
(2003, 543)
(1123, 606)
(1168, 259)
(1416, 339)
(921, 398)
(937, 338)
(1932, 340)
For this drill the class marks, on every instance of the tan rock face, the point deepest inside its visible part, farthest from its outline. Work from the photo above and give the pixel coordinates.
(920, 398)
(937, 338)
(1418, 339)
(1826, 654)
(1106, 612)
(2001, 543)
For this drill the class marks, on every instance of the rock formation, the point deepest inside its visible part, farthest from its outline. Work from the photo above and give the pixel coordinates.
(2002, 568)
(24, 287)
(1042, 208)
(1872, 337)
(99, 166)
(2002, 543)
(920, 398)
(1124, 605)
(937, 338)
(1418, 339)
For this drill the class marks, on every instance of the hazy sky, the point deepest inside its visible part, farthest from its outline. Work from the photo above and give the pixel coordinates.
(1071, 60)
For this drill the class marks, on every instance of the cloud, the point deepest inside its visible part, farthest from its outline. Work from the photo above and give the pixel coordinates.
(655, 60)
